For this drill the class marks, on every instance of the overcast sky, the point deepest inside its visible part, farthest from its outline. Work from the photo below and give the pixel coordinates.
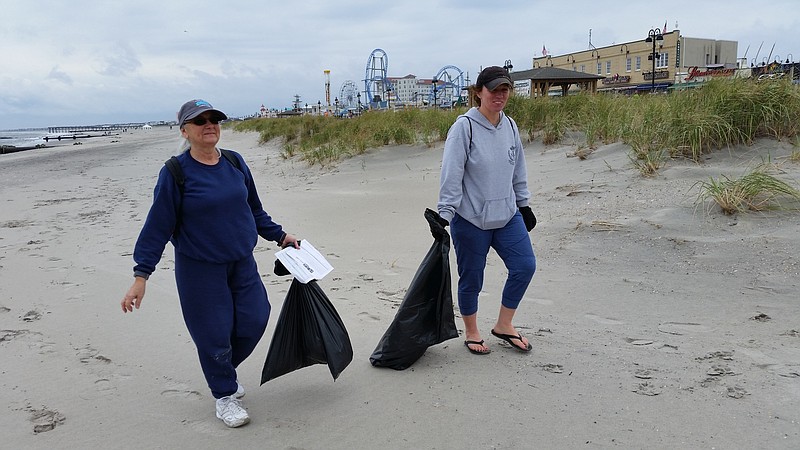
(83, 62)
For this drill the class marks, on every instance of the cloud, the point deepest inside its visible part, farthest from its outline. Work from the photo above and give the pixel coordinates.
(119, 61)
(59, 75)
(151, 55)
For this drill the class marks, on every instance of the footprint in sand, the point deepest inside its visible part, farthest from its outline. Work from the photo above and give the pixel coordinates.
(101, 387)
(211, 428)
(181, 393)
(719, 371)
(736, 392)
(31, 316)
(604, 320)
(668, 348)
(89, 355)
(45, 419)
(638, 342)
(723, 355)
(553, 368)
(681, 328)
(368, 317)
(646, 388)
(178, 389)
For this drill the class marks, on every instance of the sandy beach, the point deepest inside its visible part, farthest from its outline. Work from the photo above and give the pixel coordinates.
(656, 322)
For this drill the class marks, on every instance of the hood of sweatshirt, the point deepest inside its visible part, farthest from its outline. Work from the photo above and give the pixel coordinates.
(481, 120)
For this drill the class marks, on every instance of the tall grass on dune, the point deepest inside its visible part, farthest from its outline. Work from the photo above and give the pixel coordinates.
(729, 112)
(757, 190)
(683, 124)
(324, 140)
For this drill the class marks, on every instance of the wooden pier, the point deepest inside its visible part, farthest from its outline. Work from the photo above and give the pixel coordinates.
(89, 128)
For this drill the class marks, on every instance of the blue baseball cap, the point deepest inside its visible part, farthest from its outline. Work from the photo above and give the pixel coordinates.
(194, 108)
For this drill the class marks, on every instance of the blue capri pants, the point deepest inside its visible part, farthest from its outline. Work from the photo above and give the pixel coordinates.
(226, 309)
(512, 244)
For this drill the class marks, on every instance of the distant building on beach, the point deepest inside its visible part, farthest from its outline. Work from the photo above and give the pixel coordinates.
(656, 62)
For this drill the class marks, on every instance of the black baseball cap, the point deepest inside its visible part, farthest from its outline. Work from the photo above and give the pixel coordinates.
(492, 77)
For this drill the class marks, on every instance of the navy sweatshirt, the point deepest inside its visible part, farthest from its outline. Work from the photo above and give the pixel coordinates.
(222, 215)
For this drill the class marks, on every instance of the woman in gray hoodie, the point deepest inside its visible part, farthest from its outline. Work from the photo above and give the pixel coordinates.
(483, 196)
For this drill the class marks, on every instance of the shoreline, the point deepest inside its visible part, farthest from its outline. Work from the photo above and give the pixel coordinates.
(77, 137)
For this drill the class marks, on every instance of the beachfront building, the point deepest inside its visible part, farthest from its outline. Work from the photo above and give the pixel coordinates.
(409, 90)
(629, 67)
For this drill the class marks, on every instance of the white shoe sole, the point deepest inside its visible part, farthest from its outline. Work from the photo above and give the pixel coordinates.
(234, 423)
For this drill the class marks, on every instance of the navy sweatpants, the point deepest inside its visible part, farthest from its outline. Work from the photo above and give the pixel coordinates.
(225, 307)
(472, 244)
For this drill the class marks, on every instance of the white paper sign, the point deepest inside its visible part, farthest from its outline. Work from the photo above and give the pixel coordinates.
(305, 263)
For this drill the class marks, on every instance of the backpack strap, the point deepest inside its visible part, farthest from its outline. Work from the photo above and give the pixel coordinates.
(227, 154)
(469, 121)
(177, 173)
(513, 129)
(180, 179)
(510, 124)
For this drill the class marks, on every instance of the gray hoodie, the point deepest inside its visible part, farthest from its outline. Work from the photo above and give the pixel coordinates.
(484, 181)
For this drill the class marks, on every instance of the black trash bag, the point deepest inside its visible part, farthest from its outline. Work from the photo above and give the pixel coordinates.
(425, 317)
(280, 270)
(309, 331)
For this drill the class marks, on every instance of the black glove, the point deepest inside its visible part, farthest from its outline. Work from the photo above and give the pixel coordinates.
(437, 224)
(528, 217)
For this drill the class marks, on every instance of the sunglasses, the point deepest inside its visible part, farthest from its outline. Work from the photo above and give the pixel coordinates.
(200, 121)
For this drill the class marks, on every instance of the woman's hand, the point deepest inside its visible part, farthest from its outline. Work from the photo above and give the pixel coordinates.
(290, 240)
(133, 298)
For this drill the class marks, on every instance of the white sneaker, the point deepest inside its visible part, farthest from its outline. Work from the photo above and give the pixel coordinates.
(230, 411)
(239, 390)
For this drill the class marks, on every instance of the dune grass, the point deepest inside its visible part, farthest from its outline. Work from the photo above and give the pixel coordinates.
(687, 124)
(758, 190)
(324, 140)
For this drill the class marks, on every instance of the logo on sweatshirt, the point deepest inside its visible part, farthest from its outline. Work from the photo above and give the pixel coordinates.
(512, 155)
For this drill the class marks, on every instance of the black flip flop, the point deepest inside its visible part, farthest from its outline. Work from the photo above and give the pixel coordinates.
(509, 337)
(476, 352)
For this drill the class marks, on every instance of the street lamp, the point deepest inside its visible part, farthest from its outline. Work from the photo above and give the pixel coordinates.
(434, 81)
(319, 107)
(336, 103)
(652, 36)
(507, 65)
(359, 102)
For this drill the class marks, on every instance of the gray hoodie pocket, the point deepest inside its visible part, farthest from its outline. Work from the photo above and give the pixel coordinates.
(497, 213)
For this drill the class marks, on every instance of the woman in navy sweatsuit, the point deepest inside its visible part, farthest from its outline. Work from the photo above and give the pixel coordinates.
(219, 218)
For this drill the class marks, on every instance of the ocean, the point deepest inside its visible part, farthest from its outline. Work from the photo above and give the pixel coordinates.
(24, 139)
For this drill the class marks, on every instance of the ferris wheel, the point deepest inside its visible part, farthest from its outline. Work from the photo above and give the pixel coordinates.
(348, 95)
(447, 88)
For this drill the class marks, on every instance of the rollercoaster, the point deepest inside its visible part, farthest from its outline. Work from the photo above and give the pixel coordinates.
(442, 90)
